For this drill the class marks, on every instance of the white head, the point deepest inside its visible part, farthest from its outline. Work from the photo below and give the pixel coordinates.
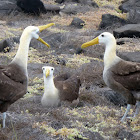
(105, 38)
(48, 71)
(32, 32)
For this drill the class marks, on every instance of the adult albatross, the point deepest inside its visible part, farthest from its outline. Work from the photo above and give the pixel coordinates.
(61, 88)
(119, 75)
(14, 77)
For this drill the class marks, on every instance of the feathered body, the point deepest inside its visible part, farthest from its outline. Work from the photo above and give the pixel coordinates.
(61, 88)
(119, 75)
(14, 77)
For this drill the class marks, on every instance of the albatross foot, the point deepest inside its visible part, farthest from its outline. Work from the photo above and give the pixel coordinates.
(4, 118)
(126, 112)
(137, 109)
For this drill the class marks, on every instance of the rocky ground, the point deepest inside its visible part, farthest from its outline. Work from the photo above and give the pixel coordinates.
(97, 116)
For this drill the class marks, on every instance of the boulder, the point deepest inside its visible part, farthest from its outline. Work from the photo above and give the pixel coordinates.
(110, 21)
(53, 8)
(83, 2)
(133, 8)
(7, 6)
(77, 22)
(34, 7)
(130, 56)
(7, 44)
(72, 8)
(129, 30)
(77, 6)
(59, 1)
(3, 45)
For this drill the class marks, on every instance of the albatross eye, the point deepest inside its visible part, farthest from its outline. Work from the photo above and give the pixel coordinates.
(43, 68)
(52, 69)
(102, 35)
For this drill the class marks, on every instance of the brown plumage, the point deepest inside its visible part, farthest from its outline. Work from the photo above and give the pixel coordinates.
(68, 85)
(120, 75)
(61, 88)
(127, 74)
(14, 77)
(13, 85)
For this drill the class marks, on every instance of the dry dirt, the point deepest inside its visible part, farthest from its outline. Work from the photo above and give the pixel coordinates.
(95, 118)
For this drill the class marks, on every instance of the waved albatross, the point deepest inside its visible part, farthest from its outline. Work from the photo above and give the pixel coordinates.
(61, 88)
(14, 77)
(119, 75)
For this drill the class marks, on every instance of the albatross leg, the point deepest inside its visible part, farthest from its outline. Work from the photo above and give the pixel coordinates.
(126, 112)
(4, 118)
(137, 109)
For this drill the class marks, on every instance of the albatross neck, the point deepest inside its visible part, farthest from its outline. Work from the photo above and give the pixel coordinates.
(49, 83)
(110, 53)
(21, 57)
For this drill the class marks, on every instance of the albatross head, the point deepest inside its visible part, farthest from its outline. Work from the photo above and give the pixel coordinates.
(105, 38)
(34, 30)
(48, 71)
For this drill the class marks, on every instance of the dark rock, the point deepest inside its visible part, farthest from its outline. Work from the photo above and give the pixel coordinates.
(3, 45)
(125, 6)
(111, 21)
(77, 22)
(6, 7)
(72, 8)
(133, 7)
(83, 2)
(130, 56)
(129, 30)
(34, 7)
(7, 44)
(61, 61)
(77, 6)
(52, 8)
(59, 1)
(79, 51)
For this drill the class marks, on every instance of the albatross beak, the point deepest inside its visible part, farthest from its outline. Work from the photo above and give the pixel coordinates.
(42, 41)
(41, 28)
(47, 73)
(90, 43)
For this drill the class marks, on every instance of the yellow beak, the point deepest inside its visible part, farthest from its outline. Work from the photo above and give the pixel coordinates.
(41, 28)
(47, 73)
(90, 43)
(42, 41)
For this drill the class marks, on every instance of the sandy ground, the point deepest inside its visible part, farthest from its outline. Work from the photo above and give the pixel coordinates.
(95, 118)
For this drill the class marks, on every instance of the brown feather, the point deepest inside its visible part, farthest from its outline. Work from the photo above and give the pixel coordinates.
(68, 86)
(124, 78)
(13, 85)
(127, 74)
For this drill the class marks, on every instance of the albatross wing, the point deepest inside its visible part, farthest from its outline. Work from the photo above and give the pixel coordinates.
(128, 74)
(13, 85)
(68, 86)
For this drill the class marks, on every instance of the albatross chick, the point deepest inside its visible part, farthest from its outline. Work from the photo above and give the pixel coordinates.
(61, 88)
(119, 75)
(14, 77)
